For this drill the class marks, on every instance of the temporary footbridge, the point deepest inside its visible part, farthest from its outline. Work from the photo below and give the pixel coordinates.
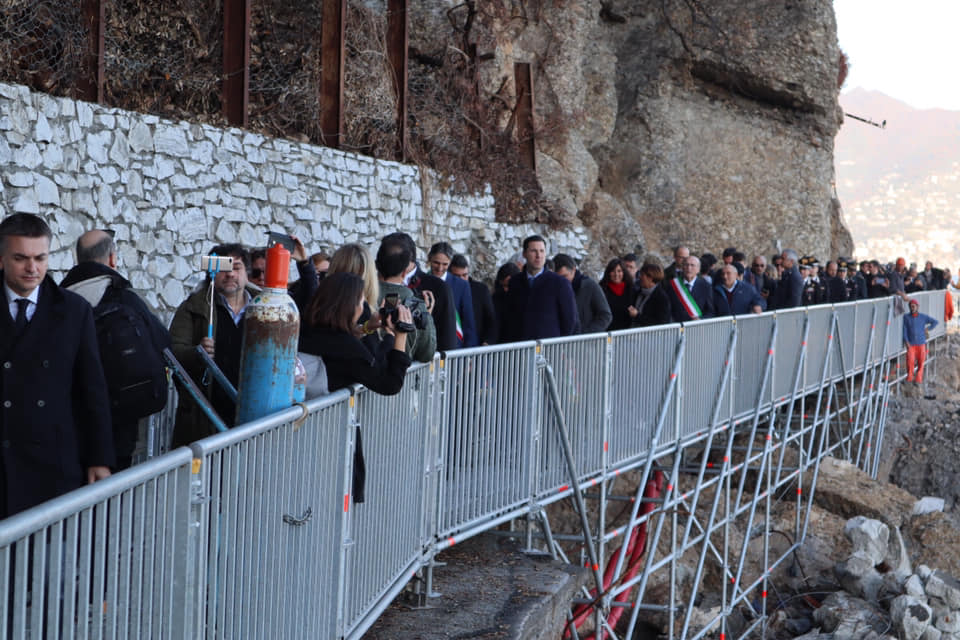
(253, 533)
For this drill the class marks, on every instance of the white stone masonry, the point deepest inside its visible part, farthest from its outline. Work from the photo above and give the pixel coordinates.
(173, 189)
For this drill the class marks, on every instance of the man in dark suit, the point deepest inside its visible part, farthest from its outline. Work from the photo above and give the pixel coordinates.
(485, 317)
(439, 258)
(691, 298)
(932, 277)
(789, 293)
(758, 278)
(680, 254)
(426, 287)
(539, 303)
(593, 310)
(732, 297)
(55, 421)
(835, 286)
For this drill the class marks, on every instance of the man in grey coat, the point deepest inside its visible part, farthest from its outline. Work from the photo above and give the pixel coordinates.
(592, 309)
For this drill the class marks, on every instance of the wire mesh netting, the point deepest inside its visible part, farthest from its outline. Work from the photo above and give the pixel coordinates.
(42, 44)
(285, 68)
(370, 98)
(164, 57)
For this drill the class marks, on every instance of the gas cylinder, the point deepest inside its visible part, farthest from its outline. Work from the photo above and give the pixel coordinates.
(271, 330)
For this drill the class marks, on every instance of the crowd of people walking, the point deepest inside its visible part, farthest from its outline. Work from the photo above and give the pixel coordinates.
(82, 360)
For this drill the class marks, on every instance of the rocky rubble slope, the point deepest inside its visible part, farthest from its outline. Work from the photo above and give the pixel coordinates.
(893, 570)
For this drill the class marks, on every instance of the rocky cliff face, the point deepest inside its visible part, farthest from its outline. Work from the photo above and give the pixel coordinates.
(671, 121)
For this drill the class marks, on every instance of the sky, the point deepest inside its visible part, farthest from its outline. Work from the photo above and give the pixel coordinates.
(907, 49)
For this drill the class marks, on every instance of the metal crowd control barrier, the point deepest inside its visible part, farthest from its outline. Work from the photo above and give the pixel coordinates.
(255, 532)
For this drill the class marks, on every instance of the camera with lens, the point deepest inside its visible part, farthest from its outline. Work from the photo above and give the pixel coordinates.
(391, 302)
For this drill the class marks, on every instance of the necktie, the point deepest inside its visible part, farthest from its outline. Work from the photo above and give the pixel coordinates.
(20, 322)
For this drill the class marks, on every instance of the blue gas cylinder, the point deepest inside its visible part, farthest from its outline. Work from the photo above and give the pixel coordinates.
(271, 330)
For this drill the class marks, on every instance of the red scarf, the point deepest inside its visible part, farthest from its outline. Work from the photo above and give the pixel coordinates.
(617, 287)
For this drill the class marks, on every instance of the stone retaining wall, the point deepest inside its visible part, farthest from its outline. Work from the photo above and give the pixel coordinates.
(173, 189)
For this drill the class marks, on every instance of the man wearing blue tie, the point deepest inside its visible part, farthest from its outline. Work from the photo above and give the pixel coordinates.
(55, 432)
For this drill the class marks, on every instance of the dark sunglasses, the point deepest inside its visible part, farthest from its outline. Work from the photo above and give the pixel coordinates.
(755, 265)
(256, 273)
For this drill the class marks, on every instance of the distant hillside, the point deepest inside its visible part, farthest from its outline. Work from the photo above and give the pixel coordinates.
(899, 186)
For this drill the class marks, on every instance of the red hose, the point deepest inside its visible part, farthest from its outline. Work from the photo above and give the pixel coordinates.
(634, 550)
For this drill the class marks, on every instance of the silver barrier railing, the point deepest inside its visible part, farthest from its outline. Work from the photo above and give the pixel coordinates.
(252, 533)
(112, 560)
(274, 525)
(386, 546)
(489, 400)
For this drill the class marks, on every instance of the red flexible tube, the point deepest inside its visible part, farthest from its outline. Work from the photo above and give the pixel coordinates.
(634, 551)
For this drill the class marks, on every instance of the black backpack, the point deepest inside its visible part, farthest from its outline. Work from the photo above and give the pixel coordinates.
(134, 368)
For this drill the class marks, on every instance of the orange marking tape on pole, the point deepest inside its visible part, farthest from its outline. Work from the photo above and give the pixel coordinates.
(346, 502)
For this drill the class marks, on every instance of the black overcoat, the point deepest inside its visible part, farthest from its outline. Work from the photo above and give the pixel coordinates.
(54, 410)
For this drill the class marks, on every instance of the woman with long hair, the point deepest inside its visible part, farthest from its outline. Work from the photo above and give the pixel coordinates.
(354, 258)
(330, 331)
(619, 294)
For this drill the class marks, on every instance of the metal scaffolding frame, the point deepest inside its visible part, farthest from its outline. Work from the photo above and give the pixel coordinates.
(721, 425)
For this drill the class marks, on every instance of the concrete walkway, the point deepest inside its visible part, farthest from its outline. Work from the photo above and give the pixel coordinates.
(489, 589)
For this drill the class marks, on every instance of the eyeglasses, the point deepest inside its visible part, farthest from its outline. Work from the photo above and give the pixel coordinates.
(760, 266)
(256, 273)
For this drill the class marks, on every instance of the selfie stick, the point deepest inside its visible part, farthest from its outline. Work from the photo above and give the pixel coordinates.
(213, 266)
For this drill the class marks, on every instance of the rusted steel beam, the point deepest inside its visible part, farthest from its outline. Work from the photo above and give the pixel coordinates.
(526, 147)
(236, 61)
(397, 43)
(90, 83)
(475, 131)
(332, 55)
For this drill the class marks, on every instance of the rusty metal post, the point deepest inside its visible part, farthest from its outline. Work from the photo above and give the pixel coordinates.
(90, 83)
(397, 43)
(523, 80)
(236, 61)
(332, 54)
(475, 130)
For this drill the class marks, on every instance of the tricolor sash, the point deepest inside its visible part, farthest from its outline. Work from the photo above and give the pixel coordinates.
(690, 306)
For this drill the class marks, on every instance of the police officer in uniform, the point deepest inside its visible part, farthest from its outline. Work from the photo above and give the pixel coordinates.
(834, 286)
(812, 289)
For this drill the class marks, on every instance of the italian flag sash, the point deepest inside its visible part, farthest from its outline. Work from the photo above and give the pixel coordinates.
(686, 298)
(459, 327)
